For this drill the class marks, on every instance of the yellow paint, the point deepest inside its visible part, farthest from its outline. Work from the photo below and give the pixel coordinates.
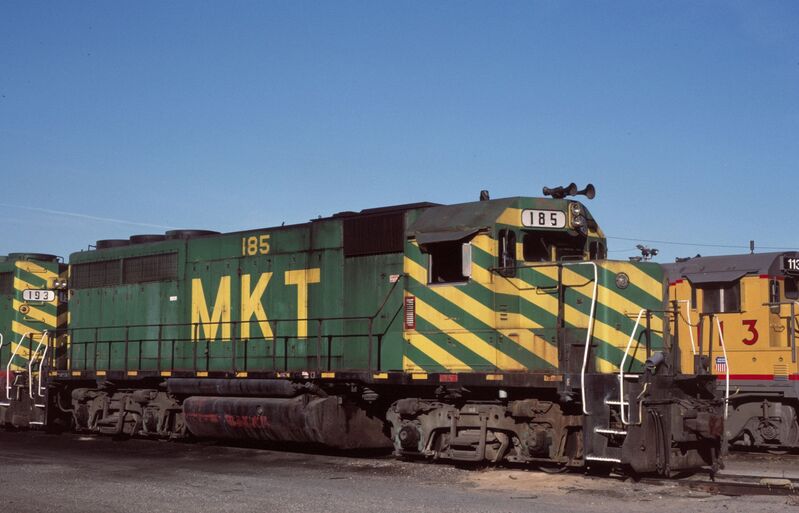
(241, 374)
(22, 330)
(638, 277)
(34, 268)
(511, 217)
(76, 373)
(409, 365)
(20, 285)
(769, 354)
(471, 341)
(36, 314)
(220, 314)
(462, 300)
(419, 375)
(251, 305)
(166, 374)
(100, 373)
(380, 375)
(494, 377)
(302, 278)
(437, 353)
(534, 344)
(202, 374)
(328, 375)
(53, 373)
(133, 373)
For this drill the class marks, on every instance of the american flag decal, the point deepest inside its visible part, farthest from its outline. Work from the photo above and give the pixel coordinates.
(721, 364)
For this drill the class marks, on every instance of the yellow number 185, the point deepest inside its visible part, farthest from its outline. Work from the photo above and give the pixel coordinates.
(254, 245)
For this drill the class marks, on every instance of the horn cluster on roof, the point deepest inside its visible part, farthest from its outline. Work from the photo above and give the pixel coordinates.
(570, 190)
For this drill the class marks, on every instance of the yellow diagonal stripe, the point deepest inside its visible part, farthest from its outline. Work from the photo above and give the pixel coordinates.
(466, 337)
(638, 277)
(409, 365)
(458, 297)
(22, 351)
(511, 216)
(437, 353)
(613, 300)
(535, 345)
(20, 284)
(21, 329)
(35, 269)
(37, 314)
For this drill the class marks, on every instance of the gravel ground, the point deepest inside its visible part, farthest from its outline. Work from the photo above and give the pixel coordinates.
(72, 473)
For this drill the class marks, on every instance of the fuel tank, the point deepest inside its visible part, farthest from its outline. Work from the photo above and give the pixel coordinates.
(306, 418)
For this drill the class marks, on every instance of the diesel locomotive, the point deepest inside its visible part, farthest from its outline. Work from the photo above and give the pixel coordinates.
(494, 331)
(739, 313)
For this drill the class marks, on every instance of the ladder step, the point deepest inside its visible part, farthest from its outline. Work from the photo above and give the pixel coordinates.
(605, 431)
(616, 403)
(602, 459)
(36, 423)
(40, 405)
(5, 404)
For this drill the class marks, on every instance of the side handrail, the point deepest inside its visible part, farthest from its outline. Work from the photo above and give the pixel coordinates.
(589, 332)
(624, 418)
(43, 341)
(11, 359)
(690, 323)
(727, 367)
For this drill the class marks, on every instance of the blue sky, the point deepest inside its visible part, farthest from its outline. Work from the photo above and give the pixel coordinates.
(236, 115)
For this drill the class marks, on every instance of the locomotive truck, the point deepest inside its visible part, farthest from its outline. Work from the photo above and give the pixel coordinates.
(494, 330)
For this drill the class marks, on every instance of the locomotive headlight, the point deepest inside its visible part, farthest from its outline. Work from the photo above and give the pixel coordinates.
(579, 221)
(622, 280)
(576, 209)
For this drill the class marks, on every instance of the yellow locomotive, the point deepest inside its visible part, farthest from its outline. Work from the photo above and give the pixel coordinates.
(737, 318)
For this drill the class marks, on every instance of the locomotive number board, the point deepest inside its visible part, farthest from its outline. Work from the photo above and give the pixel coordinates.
(38, 295)
(790, 265)
(543, 218)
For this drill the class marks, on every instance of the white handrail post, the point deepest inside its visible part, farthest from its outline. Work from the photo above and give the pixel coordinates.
(690, 323)
(8, 366)
(727, 367)
(624, 419)
(41, 364)
(32, 360)
(589, 333)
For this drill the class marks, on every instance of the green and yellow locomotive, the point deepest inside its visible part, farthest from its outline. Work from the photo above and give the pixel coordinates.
(32, 315)
(493, 330)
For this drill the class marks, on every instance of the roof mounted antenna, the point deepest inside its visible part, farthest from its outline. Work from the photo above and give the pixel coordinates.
(646, 252)
(484, 195)
(570, 190)
(751, 247)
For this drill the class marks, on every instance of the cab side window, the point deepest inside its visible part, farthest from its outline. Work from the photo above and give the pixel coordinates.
(721, 297)
(449, 262)
(507, 252)
(791, 289)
